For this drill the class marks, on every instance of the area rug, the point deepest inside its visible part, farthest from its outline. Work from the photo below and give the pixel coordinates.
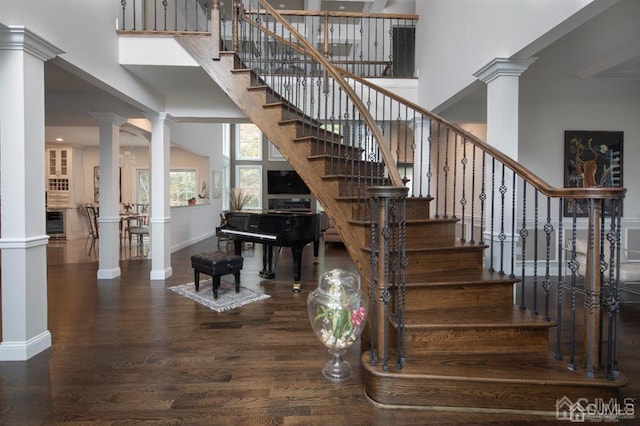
(227, 296)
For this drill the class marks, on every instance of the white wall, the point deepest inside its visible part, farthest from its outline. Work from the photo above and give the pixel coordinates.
(194, 223)
(542, 127)
(89, 43)
(456, 38)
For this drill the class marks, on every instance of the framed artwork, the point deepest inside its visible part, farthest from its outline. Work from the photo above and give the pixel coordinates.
(591, 159)
(216, 186)
(96, 184)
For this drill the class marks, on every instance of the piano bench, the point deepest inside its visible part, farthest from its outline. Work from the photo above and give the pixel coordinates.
(216, 264)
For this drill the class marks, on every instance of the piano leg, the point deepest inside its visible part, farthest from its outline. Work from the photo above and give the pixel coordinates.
(316, 248)
(296, 251)
(237, 247)
(267, 262)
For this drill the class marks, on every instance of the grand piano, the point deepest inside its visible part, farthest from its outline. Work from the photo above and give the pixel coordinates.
(275, 228)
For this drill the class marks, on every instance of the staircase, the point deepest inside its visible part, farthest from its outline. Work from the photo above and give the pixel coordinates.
(468, 347)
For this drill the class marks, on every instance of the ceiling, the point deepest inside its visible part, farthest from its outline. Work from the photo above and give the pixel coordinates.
(597, 61)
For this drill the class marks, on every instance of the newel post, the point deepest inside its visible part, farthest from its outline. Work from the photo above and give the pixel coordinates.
(388, 271)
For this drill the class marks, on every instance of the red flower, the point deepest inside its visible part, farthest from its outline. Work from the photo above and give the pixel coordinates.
(357, 317)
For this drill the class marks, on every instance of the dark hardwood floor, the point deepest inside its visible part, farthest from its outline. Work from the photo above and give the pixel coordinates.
(131, 351)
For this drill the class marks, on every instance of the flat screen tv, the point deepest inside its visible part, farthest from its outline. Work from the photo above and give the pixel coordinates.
(285, 182)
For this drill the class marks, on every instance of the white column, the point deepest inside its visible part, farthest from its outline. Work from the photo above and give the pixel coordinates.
(160, 222)
(24, 239)
(109, 217)
(502, 77)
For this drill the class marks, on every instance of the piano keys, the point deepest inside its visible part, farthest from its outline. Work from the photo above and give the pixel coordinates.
(275, 228)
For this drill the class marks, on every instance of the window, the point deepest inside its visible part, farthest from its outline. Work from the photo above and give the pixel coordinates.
(249, 180)
(182, 186)
(142, 186)
(248, 142)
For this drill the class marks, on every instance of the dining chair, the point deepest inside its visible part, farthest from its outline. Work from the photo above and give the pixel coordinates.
(92, 224)
(141, 229)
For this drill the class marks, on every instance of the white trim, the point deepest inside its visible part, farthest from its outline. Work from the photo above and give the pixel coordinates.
(161, 274)
(24, 243)
(23, 350)
(109, 274)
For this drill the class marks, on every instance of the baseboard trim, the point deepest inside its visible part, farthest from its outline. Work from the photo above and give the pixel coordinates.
(22, 351)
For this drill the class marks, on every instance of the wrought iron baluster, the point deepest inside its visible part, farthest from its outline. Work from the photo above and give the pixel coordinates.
(473, 193)
(573, 265)
(534, 309)
(502, 235)
(492, 217)
(454, 180)
(373, 206)
(547, 285)
(559, 302)
(437, 167)
(483, 196)
(124, 13)
(445, 171)
(524, 233)
(513, 225)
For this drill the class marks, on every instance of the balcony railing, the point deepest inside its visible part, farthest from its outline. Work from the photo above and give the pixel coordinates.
(369, 45)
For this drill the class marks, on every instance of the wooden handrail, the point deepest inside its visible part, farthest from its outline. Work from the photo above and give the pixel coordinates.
(394, 174)
(337, 14)
(526, 174)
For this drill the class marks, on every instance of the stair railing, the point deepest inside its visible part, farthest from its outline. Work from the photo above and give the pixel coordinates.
(315, 94)
(497, 201)
(527, 225)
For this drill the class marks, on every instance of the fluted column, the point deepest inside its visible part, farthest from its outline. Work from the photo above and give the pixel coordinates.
(109, 217)
(24, 239)
(160, 222)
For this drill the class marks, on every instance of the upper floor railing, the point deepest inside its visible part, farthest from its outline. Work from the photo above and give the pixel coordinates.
(369, 45)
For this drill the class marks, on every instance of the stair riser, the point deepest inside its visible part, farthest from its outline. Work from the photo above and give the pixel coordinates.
(465, 394)
(342, 166)
(476, 341)
(415, 208)
(321, 147)
(426, 235)
(422, 262)
(458, 296)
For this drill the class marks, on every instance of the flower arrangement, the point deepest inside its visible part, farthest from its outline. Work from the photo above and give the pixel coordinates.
(238, 199)
(339, 318)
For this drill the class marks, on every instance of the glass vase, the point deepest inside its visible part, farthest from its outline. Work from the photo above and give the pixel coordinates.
(337, 315)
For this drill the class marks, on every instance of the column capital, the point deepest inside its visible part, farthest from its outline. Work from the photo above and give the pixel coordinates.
(19, 38)
(503, 67)
(164, 117)
(108, 118)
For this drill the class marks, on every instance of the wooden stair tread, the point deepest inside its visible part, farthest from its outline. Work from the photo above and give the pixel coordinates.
(463, 277)
(410, 222)
(485, 317)
(456, 246)
(501, 368)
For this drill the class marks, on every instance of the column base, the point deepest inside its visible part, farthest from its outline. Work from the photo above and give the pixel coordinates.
(22, 351)
(109, 274)
(161, 274)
